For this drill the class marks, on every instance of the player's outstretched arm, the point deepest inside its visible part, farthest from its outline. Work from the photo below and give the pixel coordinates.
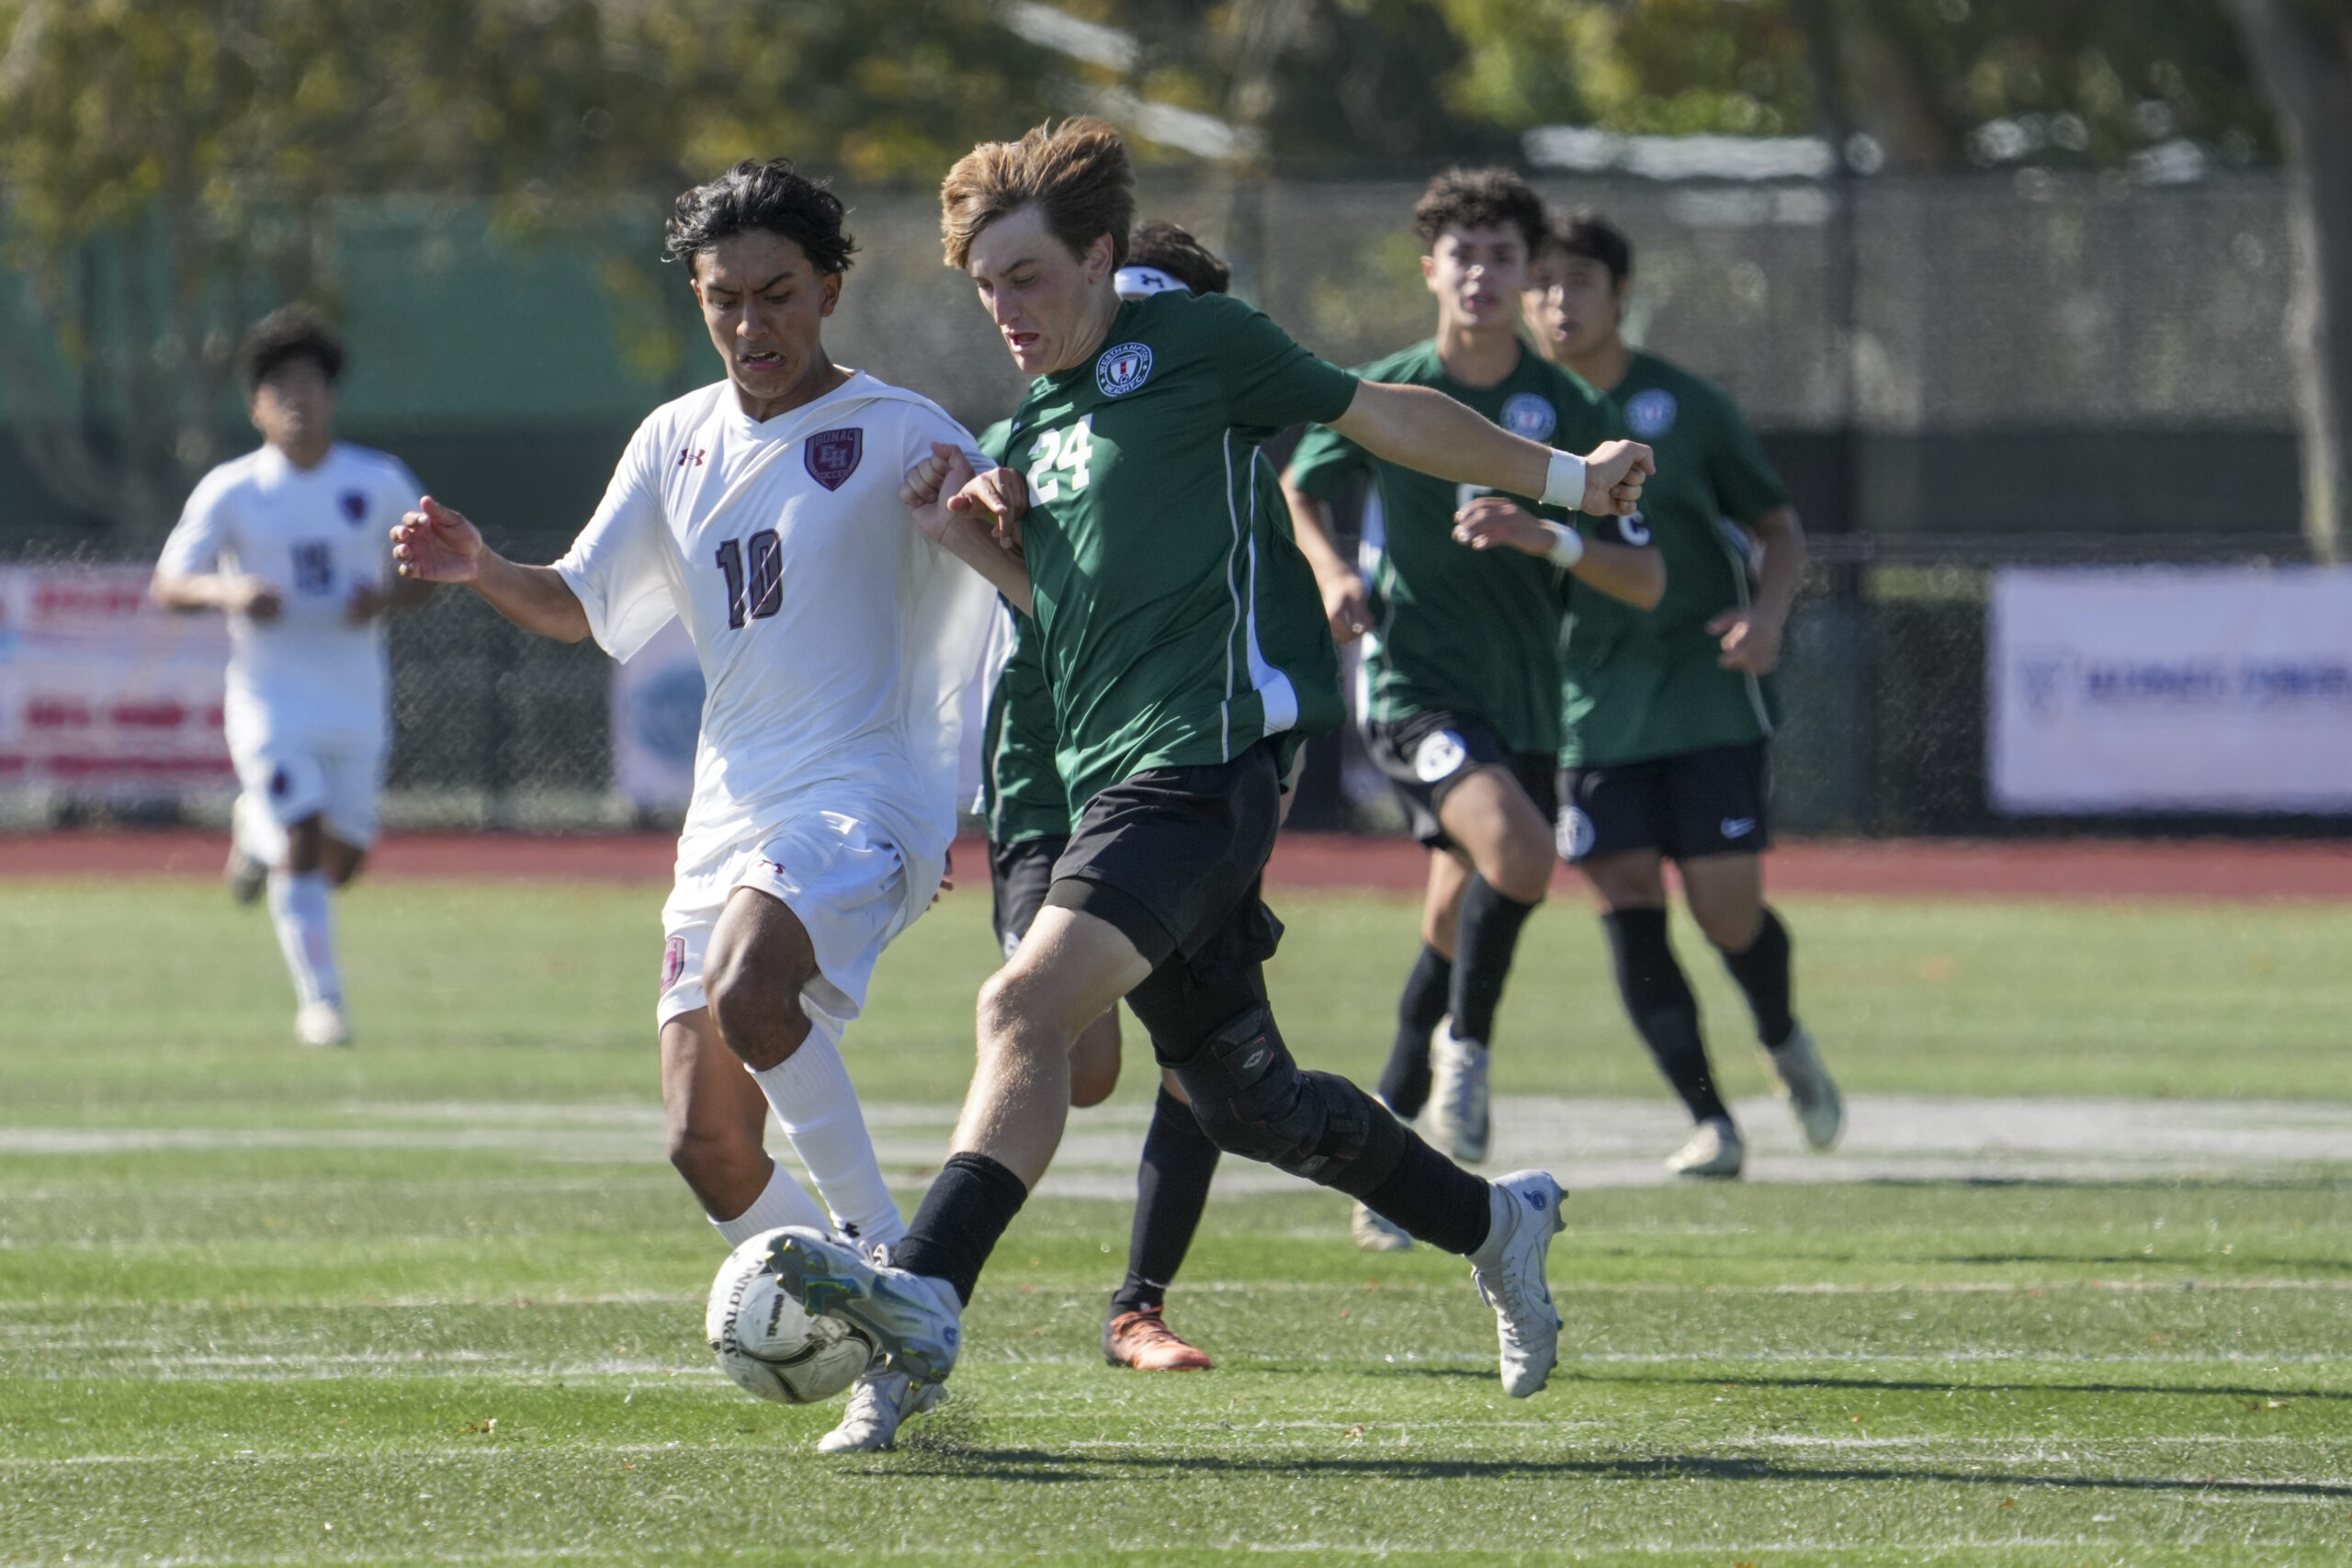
(1342, 587)
(255, 598)
(1635, 573)
(1421, 428)
(433, 544)
(974, 517)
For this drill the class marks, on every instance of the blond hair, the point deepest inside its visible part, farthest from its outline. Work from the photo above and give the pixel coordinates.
(1075, 174)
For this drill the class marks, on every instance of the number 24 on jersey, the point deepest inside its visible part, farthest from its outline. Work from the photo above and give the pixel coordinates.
(1062, 461)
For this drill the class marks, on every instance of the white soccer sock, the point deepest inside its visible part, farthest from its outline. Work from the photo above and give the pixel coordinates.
(782, 1204)
(818, 1110)
(253, 830)
(298, 905)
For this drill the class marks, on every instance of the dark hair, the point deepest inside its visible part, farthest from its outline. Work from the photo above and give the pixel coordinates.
(1478, 198)
(774, 197)
(285, 334)
(1174, 252)
(1076, 173)
(1593, 237)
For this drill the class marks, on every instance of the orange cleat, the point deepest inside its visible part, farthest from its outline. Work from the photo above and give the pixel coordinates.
(1141, 1341)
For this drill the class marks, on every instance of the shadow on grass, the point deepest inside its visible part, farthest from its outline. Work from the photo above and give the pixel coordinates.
(1903, 1385)
(1034, 1466)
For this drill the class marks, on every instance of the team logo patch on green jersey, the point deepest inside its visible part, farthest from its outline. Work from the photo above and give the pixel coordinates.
(1123, 369)
(1439, 756)
(1650, 415)
(1530, 415)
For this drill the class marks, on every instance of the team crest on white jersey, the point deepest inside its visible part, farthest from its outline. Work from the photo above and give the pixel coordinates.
(832, 454)
(1530, 415)
(1122, 370)
(1438, 756)
(1650, 415)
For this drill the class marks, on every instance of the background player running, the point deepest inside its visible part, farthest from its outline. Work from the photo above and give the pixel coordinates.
(289, 539)
(1459, 698)
(764, 512)
(1028, 818)
(1179, 692)
(1667, 714)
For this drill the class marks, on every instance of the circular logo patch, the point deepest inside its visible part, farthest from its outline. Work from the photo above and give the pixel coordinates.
(1530, 415)
(1438, 756)
(1573, 834)
(1651, 414)
(1123, 369)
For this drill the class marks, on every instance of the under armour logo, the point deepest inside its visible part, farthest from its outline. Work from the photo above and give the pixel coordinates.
(692, 458)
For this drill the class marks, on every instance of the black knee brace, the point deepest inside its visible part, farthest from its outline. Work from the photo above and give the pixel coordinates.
(1252, 1100)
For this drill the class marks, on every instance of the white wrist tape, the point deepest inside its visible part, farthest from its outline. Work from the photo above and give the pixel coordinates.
(1567, 546)
(1564, 483)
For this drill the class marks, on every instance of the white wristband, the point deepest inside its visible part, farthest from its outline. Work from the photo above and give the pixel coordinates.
(1567, 546)
(1564, 482)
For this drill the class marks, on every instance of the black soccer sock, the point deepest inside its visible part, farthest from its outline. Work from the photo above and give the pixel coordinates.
(1490, 922)
(1405, 1082)
(1763, 973)
(971, 1202)
(1434, 1200)
(1172, 1189)
(1658, 1000)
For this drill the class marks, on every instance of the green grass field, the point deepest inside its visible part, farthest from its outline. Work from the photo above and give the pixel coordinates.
(437, 1300)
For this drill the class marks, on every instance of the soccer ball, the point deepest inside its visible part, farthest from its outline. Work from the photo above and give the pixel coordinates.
(768, 1344)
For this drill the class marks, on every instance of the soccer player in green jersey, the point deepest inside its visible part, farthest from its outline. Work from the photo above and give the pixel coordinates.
(1666, 713)
(1028, 817)
(1180, 692)
(1459, 698)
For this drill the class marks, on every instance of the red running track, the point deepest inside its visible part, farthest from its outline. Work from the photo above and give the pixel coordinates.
(2201, 869)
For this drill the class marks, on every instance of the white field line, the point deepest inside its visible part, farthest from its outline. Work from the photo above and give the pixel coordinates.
(1587, 1143)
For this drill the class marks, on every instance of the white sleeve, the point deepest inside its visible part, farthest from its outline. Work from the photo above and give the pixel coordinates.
(619, 567)
(928, 424)
(201, 535)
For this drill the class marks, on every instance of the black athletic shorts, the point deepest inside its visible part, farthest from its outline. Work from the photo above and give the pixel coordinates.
(1426, 755)
(1172, 857)
(1700, 803)
(1018, 877)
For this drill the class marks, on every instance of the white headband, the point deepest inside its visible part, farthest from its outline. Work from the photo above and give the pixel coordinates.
(1141, 282)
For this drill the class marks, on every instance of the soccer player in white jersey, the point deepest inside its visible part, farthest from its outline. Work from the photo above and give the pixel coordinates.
(836, 638)
(289, 540)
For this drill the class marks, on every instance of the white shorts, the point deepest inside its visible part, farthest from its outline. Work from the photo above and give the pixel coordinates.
(293, 778)
(843, 882)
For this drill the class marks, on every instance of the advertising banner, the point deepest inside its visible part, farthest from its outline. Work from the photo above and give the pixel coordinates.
(2170, 689)
(104, 695)
(656, 718)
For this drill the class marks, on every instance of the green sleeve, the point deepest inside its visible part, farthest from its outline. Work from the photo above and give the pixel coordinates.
(1270, 382)
(995, 439)
(1746, 486)
(1325, 462)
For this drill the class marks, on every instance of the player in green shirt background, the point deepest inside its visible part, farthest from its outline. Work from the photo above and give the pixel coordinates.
(1178, 690)
(1665, 713)
(1459, 697)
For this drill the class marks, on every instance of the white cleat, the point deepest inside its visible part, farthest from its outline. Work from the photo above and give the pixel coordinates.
(915, 1320)
(1458, 1100)
(321, 1024)
(1378, 1233)
(1715, 1152)
(1512, 1280)
(878, 1402)
(1805, 1084)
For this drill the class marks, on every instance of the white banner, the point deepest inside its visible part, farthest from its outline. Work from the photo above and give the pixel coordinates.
(102, 694)
(2165, 689)
(656, 718)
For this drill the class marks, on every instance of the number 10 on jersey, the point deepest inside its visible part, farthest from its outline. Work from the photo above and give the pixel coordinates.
(756, 593)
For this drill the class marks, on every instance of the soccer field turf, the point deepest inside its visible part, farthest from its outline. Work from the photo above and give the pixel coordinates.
(438, 1300)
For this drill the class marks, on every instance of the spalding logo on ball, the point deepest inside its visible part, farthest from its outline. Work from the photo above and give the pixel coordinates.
(767, 1344)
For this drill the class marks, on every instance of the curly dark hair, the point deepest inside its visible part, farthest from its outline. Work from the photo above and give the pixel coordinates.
(774, 196)
(1587, 234)
(1478, 198)
(1172, 250)
(289, 334)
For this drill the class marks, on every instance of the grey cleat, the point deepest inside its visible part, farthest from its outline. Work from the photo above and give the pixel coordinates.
(878, 1402)
(1805, 1084)
(245, 875)
(1459, 1106)
(1509, 1273)
(916, 1321)
(1378, 1233)
(1716, 1151)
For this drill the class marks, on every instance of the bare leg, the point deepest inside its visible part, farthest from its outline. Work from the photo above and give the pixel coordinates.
(716, 1116)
